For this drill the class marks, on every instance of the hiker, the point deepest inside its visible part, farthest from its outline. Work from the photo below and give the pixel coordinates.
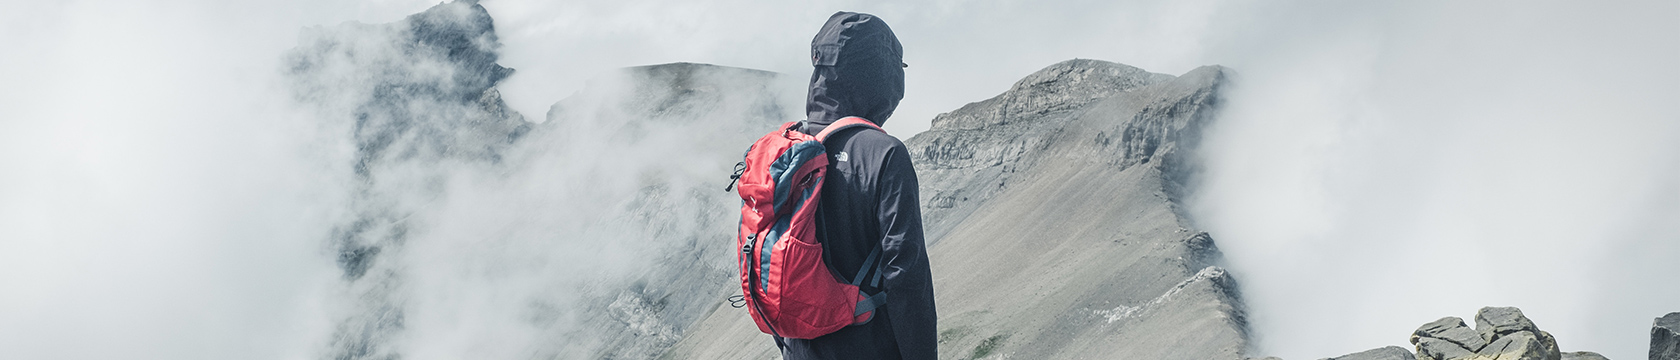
(869, 198)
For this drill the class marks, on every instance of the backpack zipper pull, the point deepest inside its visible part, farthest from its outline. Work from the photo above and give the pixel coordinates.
(740, 167)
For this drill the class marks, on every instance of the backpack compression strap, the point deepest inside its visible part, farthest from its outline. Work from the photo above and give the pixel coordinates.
(870, 302)
(845, 123)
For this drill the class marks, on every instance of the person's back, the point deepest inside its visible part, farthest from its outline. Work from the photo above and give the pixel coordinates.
(869, 198)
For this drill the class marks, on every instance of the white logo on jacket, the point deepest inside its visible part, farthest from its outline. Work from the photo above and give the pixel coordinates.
(841, 156)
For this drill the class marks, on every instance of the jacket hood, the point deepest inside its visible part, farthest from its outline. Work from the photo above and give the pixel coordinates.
(859, 70)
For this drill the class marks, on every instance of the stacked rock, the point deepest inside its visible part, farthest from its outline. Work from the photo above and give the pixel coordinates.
(1382, 353)
(1500, 333)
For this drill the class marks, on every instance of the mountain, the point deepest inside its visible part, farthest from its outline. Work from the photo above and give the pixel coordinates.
(1052, 211)
(409, 127)
(1054, 225)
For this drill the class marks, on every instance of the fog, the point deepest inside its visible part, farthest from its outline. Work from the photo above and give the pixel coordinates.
(164, 195)
(1400, 164)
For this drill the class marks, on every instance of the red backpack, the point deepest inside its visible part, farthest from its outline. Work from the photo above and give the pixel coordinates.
(785, 284)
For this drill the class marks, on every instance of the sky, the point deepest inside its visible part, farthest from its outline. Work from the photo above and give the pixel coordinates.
(1379, 165)
(1429, 159)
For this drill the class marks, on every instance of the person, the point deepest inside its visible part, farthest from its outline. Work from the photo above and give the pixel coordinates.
(869, 198)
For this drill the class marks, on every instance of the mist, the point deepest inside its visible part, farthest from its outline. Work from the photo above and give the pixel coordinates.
(1398, 164)
(164, 195)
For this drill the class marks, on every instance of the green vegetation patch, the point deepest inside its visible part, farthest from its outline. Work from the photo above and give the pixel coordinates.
(988, 346)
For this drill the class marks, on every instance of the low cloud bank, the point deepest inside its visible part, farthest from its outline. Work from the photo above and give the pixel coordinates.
(1401, 163)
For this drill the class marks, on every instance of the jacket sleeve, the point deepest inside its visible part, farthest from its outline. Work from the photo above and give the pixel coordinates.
(907, 275)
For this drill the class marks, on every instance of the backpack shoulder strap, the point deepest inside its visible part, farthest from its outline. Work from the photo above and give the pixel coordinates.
(845, 123)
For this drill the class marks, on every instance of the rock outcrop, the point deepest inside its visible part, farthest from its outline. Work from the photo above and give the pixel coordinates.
(1054, 226)
(1583, 355)
(1665, 337)
(1382, 353)
(1087, 195)
(1500, 333)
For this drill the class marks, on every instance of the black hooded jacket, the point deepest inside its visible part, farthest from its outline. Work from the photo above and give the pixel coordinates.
(869, 199)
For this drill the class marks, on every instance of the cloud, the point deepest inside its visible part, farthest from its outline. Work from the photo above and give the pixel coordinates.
(1383, 166)
(149, 204)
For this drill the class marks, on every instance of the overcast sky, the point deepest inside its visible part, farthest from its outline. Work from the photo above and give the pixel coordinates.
(1379, 166)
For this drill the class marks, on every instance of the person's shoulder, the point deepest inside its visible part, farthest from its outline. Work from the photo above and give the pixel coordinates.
(877, 138)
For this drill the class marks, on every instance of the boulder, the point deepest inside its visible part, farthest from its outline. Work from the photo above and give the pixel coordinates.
(1382, 353)
(1437, 349)
(1447, 338)
(1583, 355)
(1501, 333)
(1451, 329)
(1523, 345)
(1665, 337)
(1492, 322)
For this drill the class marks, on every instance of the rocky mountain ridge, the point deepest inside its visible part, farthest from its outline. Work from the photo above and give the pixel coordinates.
(1070, 175)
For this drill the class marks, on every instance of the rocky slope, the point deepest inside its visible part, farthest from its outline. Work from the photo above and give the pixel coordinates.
(1054, 228)
(1665, 337)
(1383, 353)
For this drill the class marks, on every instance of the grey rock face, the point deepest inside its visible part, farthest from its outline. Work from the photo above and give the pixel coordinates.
(979, 150)
(1493, 322)
(1501, 333)
(1665, 337)
(1451, 330)
(1583, 355)
(1519, 345)
(1072, 190)
(1060, 87)
(1438, 349)
(1383, 353)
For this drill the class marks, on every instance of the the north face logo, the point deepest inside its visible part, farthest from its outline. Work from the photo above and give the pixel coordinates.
(841, 156)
